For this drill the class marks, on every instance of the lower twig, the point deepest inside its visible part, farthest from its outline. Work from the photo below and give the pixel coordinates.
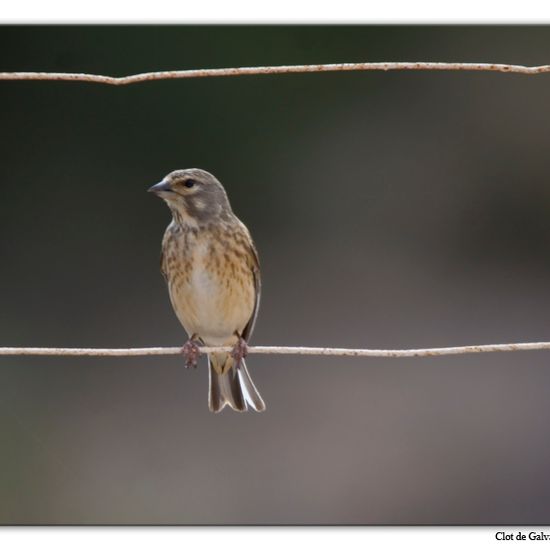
(277, 350)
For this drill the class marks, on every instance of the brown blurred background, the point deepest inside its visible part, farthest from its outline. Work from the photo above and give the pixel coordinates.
(390, 210)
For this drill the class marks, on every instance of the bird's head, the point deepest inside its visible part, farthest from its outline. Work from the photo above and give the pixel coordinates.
(194, 196)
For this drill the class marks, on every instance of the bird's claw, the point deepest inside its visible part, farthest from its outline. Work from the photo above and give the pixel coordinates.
(240, 350)
(191, 352)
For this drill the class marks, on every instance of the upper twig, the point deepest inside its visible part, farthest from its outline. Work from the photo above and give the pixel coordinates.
(280, 69)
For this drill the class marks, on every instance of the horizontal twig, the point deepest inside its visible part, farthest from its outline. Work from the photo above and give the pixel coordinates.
(280, 350)
(279, 69)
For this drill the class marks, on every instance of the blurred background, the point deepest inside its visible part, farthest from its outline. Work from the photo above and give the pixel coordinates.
(391, 210)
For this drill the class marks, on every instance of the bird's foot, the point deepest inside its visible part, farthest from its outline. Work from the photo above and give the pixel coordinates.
(240, 350)
(191, 352)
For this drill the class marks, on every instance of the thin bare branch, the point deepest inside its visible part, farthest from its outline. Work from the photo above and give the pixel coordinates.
(280, 69)
(278, 350)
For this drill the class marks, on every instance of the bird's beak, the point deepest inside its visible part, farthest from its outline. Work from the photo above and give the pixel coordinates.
(160, 187)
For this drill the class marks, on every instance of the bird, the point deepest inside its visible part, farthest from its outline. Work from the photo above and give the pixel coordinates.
(212, 271)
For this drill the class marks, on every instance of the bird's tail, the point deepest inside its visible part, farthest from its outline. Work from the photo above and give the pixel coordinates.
(230, 384)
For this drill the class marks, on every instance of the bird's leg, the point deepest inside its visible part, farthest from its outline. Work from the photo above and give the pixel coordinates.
(240, 350)
(191, 351)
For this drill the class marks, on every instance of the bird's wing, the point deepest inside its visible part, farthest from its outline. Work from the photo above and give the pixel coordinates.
(255, 267)
(163, 248)
(162, 264)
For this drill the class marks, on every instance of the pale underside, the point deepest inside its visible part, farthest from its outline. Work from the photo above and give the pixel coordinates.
(214, 295)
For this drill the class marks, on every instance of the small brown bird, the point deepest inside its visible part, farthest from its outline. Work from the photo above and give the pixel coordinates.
(211, 266)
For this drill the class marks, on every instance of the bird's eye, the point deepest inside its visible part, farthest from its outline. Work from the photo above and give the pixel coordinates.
(190, 183)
